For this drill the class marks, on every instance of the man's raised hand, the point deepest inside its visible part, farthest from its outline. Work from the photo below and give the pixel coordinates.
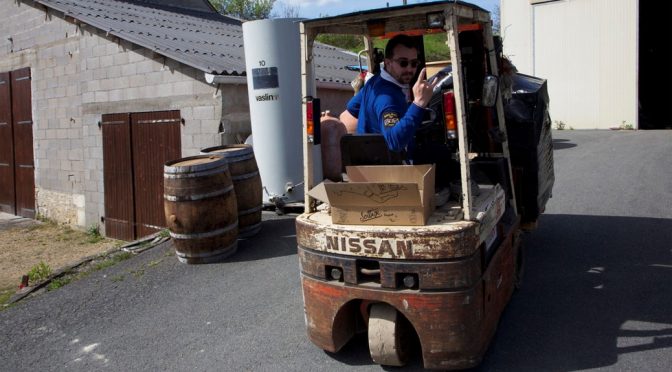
(423, 90)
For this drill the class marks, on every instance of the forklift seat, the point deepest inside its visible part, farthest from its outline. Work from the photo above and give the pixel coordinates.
(368, 149)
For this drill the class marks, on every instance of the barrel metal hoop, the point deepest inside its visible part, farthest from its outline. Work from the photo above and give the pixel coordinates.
(245, 176)
(206, 235)
(175, 198)
(233, 154)
(175, 175)
(249, 231)
(250, 211)
(216, 252)
(239, 157)
(177, 169)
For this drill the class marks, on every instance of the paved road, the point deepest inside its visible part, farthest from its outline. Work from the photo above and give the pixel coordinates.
(597, 293)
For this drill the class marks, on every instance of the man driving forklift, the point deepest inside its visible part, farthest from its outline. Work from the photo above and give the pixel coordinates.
(385, 105)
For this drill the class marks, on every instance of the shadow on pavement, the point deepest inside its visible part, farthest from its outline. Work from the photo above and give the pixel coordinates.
(276, 238)
(562, 144)
(595, 287)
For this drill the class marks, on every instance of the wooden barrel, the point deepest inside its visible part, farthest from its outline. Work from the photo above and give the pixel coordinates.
(201, 209)
(247, 184)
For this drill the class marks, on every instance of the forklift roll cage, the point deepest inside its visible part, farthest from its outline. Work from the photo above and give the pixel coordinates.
(450, 17)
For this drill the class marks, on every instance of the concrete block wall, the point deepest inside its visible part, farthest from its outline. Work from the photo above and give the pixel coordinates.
(80, 73)
(36, 38)
(120, 77)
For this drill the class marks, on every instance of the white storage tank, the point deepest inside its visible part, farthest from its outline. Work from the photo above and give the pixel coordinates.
(272, 58)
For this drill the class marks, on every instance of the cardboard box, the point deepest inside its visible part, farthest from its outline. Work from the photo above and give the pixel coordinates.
(389, 195)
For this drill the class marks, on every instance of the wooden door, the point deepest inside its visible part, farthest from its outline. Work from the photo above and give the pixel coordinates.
(7, 192)
(156, 140)
(24, 166)
(135, 148)
(118, 177)
(17, 167)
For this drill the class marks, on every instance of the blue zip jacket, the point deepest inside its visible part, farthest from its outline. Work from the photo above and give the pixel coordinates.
(381, 107)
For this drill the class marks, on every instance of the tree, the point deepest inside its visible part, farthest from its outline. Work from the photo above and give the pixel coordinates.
(350, 42)
(496, 20)
(244, 9)
(288, 11)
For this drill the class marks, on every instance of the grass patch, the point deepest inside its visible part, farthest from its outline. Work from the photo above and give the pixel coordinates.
(560, 125)
(71, 277)
(93, 234)
(626, 126)
(5, 295)
(138, 273)
(154, 263)
(66, 279)
(112, 260)
(60, 282)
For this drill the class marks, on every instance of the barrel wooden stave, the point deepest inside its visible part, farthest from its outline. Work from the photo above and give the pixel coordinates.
(247, 183)
(201, 209)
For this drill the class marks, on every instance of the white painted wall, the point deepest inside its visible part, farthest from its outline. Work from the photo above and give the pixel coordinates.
(516, 30)
(586, 49)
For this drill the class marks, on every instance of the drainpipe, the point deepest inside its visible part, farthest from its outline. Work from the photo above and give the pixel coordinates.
(239, 80)
(225, 79)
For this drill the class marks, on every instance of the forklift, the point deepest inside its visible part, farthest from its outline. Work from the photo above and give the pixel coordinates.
(441, 284)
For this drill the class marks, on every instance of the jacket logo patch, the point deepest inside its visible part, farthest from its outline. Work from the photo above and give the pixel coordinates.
(390, 119)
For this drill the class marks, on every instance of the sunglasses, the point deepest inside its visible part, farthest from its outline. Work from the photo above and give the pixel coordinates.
(403, 62)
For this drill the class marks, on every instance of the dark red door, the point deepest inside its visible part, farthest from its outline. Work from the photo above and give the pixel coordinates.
(135, 148)
(7, 193)
(24, 166)
(17, 168)
(156, 140)
(118, 176)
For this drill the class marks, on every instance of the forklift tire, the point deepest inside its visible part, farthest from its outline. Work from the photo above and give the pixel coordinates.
(386, 336)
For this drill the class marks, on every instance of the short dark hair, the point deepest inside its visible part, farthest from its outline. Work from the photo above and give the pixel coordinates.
(400, 39)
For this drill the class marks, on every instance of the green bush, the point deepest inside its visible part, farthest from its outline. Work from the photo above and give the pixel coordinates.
(39, 272)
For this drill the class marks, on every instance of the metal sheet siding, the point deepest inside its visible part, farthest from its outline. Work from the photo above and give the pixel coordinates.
(516, 29)
(24, 166)
(587, 49)
(7, 196)
(156, 140)
(118, 177)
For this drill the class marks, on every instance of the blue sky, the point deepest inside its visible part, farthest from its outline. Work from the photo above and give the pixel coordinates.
(317, 8)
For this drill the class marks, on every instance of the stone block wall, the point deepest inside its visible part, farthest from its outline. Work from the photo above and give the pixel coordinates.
(80, 73)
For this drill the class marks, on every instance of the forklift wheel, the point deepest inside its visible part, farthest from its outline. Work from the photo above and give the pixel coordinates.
(386, 331)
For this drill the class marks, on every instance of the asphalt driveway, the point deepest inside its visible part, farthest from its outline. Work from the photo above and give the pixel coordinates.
(597, 292)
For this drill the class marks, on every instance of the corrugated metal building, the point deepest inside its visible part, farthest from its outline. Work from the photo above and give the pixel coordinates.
(95, 95)
(603, 58)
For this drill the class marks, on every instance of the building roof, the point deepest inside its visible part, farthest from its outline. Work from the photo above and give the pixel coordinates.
(189, 32)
